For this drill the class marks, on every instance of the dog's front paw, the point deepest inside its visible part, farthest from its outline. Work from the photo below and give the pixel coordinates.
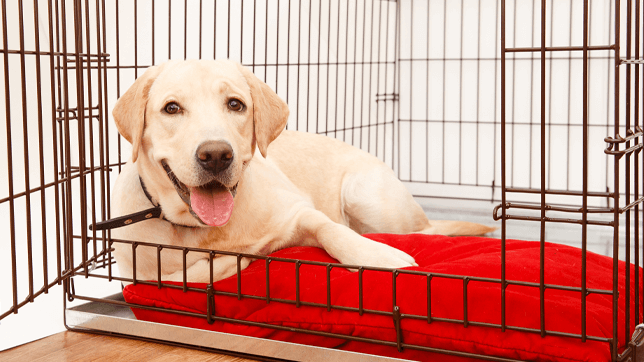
(375, 254)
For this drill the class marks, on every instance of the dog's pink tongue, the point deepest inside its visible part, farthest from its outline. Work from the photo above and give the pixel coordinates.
(213, 207)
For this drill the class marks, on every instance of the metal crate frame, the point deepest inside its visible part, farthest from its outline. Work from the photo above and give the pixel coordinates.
(79, 66)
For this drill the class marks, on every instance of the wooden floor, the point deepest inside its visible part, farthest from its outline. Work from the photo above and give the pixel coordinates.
(81, 347)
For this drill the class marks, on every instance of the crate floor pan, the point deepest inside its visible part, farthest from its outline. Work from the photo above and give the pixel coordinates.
(111, 318)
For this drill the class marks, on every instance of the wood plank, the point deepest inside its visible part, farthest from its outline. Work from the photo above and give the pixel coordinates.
(76, 347)
(195, 356)
(117, 349)
(43, 347)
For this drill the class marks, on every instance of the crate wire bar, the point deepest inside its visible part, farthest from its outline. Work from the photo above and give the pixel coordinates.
(356, 70)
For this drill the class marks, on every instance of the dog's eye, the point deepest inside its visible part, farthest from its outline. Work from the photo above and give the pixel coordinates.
(172, 108)
(235, 105)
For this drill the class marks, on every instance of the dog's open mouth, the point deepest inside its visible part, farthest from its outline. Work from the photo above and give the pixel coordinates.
(211, 203)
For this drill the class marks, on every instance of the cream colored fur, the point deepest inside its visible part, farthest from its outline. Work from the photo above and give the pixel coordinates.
(303, 189)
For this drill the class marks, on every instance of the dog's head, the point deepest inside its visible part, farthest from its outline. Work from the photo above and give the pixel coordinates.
(194, 127)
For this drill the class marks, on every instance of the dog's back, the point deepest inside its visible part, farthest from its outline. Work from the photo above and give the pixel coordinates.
(355, 188)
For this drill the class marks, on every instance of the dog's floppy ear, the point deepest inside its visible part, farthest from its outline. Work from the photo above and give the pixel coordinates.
(129, 111)
(270, 112)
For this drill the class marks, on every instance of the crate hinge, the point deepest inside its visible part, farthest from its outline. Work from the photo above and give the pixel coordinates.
(210, 303)
(397, 318)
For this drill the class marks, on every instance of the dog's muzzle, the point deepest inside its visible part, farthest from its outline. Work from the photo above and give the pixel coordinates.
(211, 203)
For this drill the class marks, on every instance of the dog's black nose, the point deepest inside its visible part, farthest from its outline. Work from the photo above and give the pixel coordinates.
(215, 156)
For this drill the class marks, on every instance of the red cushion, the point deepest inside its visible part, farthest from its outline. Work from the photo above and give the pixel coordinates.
(467, 256)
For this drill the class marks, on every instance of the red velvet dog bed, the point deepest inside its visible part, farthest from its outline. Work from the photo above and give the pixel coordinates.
(467, 256)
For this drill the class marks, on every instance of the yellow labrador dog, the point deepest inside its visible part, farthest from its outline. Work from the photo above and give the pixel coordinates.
(195, 127)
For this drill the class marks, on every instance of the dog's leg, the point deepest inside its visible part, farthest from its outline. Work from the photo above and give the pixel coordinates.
(223, 267)
(345, 245)
(375, 201)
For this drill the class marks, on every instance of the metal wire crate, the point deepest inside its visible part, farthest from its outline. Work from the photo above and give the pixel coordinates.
(492, 100)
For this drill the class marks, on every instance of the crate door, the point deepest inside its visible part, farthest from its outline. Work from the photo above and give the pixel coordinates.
(55, 148)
